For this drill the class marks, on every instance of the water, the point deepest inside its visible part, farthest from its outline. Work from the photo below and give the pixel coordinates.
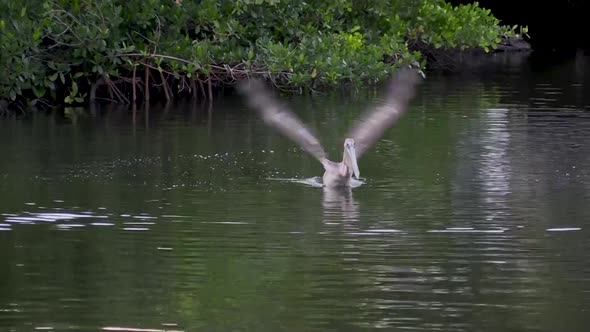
(474, 216)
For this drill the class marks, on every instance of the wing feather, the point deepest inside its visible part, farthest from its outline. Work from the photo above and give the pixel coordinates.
(371, 126)
(279, 117)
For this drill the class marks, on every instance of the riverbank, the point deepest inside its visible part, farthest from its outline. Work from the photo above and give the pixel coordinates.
(62, 53)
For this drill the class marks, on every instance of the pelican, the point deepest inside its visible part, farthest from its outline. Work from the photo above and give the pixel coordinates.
(365, 133)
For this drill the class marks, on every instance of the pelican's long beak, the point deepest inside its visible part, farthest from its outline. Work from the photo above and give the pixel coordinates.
(351, 159)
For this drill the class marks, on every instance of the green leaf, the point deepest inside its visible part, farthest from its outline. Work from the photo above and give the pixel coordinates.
(39, 91)
(36, 34)
(74, 88)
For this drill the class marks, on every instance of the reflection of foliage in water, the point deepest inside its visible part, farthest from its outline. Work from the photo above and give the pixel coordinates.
(243, 251)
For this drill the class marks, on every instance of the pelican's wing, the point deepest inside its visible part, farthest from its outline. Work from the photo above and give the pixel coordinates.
(371, 126)
(279, 117)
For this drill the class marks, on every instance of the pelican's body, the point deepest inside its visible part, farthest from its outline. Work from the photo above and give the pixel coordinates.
(363, 135)
(336, 175)
(340, 174)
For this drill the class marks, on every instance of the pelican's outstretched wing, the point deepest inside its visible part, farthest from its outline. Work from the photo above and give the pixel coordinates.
(400, 90)
(279, 117)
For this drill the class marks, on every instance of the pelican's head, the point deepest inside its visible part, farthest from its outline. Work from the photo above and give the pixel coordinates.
(350, 157)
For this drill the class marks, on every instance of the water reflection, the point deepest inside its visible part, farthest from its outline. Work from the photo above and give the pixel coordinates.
(474, 216)
(63, 219)
(339, 205)
(487, 170)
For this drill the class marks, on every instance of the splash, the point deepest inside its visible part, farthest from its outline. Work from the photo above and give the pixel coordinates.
(316, 181)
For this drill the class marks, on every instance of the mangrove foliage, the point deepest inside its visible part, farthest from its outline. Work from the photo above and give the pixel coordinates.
(75, 51)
